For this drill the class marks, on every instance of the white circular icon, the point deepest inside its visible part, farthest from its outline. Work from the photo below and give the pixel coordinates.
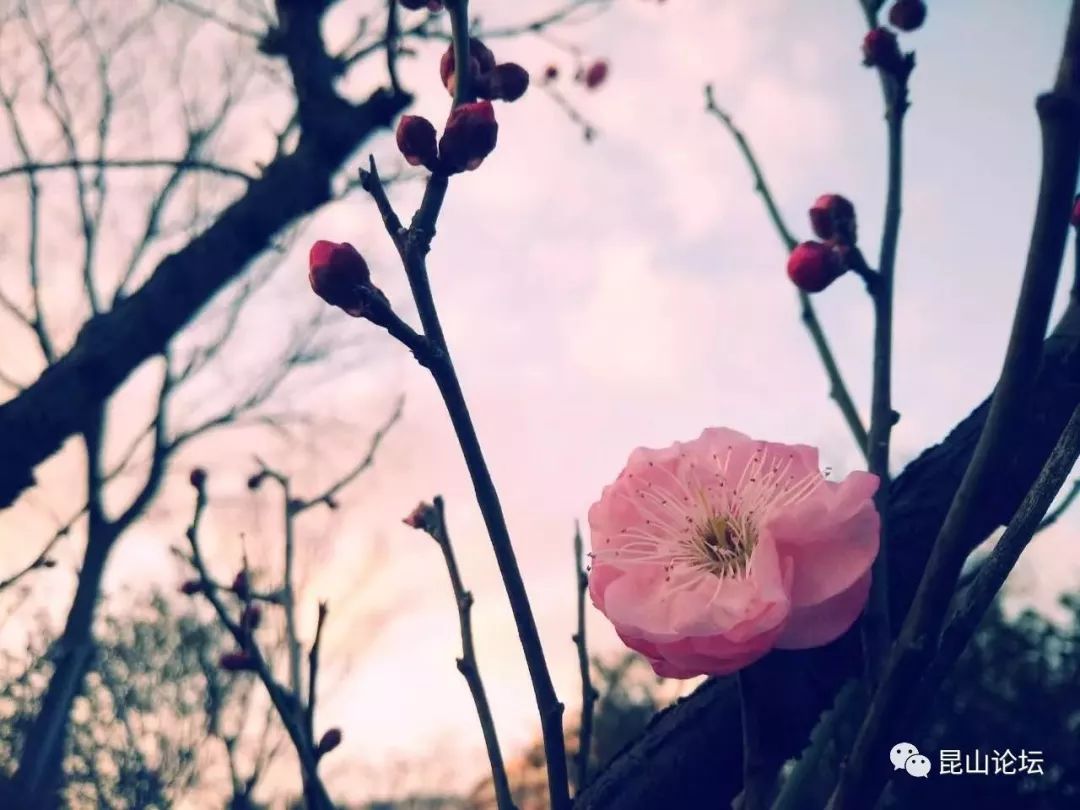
(900, 753)
(917, 765)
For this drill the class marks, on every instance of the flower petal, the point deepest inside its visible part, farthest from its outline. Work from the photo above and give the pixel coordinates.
(826, 621)
(831, 537)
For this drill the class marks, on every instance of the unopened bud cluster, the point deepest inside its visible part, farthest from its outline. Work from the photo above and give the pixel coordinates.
(471, 131)
(813, 266)
(880, 47)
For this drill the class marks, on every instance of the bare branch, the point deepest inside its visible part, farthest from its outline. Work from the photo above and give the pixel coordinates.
(44, 559)
(413, 253)
(1059, 117)
(431, 519)
(211, 16)
(838, 390)
(160, 453)
(313, 668)
(37, 319)
(1055, 514)
(288, 708)
(588, 692)
(103, 163)
(995, 568)
(327, 496)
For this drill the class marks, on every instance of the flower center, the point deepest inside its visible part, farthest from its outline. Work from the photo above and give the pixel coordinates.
(703, 521)
(722, 546)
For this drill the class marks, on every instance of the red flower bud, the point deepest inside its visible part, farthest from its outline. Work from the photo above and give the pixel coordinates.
(191, 587)
(551, 73)
(507, 82)
(470, 136)
(420, 517)
(595, 74)
(833, 217)
(1075, 218)
(255, 481)
(237, 661)
(198, 478)
(330, 740)
(240, 585)
(907, 15)
(416, 140)
(481, 61)
(813, 266)
(880, 49)
(338, 273)
(251, 617)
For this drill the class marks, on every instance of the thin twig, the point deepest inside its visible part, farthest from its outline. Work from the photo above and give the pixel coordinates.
(327, 495)
(995, 567)
(588, 130)
(288, 707)
(432, 520)
(30, 168)
(44, 558)
(393, 35)
(588, 692)
(288, 590)
(838, 390)
(1059, 117)
(313, 668)
(876, 628)
(414, 251)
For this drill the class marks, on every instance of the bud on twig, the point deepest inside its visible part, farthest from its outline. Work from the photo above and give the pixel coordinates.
(907, 15)
(240, 585)
(813, 266)
(506, 82)
(251, 617)
(833, 217)
(551, 73)
(880, 49)
(595, 74)
(470, 136)
(237, 661)
(421, 517)
(416, 140)
(191, 587)
(340, 276)
(481, 61)
(198, 478)
(329, 741)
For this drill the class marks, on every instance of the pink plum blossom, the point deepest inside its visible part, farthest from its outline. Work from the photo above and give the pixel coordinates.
(709, 553)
